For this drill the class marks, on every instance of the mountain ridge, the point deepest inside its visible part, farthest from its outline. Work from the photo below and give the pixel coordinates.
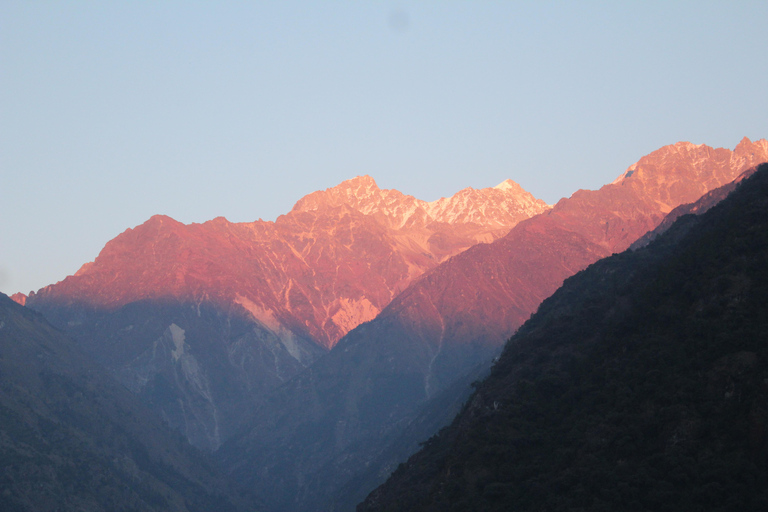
(74, 439)
(638, 385)
(508, 201)
(280, 253)
(202, 320)
(452, 318)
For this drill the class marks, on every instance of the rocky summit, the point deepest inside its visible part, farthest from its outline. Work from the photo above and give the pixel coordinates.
(639, 385)
(351, 408)
(313, 353)
(202, 320)
(334, 261)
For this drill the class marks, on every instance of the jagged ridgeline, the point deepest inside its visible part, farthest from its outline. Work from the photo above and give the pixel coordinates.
(642, 384)
(204, 320)
(327, 437)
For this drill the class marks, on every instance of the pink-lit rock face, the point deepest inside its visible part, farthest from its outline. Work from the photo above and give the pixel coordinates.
(204, 320)
(335, 261)
(19, 298)
(485, 293)
(384, 377)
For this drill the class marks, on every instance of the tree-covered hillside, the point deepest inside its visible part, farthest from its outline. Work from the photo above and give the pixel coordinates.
(642, 384)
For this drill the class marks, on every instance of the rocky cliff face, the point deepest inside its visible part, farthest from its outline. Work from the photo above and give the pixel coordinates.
(707, 201)
(201, 320)
(484, 294)
(73, 439)
(334, 261)
(453, 318)
(19, 298)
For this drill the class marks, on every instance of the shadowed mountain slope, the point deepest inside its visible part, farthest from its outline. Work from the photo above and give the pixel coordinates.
(639, 385)
(703, 205)
(73, 439)
(202, 320)
(455, 317)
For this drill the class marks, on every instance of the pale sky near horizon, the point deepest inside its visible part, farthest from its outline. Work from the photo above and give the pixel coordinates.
(111, 112)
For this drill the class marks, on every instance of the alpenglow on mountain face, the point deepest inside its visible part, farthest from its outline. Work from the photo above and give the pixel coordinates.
(212, 324)
(639, 385)
(331, 263)
(201, 320)
(343, 417)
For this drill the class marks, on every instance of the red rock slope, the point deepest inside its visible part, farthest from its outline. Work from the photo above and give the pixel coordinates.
(485, 293)
(457, 315)
(336, 260)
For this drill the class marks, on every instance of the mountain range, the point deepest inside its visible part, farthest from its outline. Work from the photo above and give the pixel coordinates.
(639, 385)
(71, 438)
(309, 350)
(341, 415)
(334, 261)
(202, 320)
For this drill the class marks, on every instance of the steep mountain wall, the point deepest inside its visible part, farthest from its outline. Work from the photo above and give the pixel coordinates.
(452, 319)
(202, 320)
(71, 438)
(639, 385)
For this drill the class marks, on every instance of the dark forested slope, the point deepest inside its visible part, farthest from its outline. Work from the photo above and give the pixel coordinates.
(71, 438)
(327, 429)
(642, 384)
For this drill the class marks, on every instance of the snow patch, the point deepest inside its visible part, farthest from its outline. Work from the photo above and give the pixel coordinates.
(506, 185)
(501, 206)
(178, 337)
(626, 174)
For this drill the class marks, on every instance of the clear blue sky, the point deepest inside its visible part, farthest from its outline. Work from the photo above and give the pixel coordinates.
(111, 112)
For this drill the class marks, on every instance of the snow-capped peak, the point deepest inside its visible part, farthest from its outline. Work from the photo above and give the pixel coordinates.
(503, 205)
(507, 185)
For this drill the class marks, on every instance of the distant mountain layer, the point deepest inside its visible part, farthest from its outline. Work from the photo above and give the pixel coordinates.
(639, 385)
(73, 439)
(452, 320)
(202, 320)
(334, 261)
